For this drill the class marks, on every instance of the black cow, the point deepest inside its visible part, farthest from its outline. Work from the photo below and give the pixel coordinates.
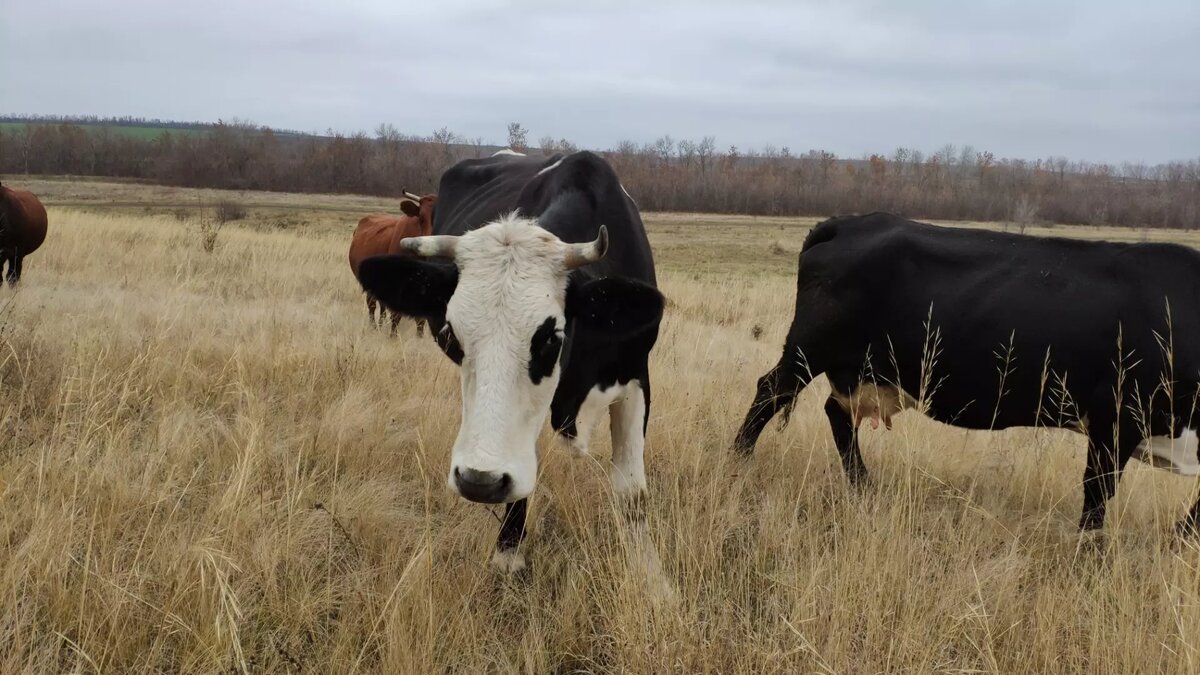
(546, 298)
(994, 330)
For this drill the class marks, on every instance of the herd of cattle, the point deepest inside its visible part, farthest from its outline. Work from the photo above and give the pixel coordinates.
(536, 277)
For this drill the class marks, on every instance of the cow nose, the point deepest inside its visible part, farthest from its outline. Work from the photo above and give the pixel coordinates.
(485, 487)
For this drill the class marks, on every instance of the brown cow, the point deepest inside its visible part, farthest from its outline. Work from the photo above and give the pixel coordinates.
(22, 229)
(381, 234)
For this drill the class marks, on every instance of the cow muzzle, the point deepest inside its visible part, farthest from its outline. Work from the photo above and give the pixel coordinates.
(484, 487)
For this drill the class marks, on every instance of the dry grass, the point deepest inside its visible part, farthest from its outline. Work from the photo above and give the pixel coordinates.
(209, 462)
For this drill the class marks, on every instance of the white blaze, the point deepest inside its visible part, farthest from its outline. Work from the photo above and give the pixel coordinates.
(511, 280)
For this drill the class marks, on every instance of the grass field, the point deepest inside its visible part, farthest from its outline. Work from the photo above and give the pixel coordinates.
(211, 463)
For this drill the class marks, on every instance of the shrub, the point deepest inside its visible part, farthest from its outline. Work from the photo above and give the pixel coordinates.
(227, 211)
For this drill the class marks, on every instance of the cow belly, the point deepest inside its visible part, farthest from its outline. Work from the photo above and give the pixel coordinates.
(1173, 454)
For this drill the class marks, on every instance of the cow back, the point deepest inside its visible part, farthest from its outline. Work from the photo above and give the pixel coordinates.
(570, 195)
(942, 310)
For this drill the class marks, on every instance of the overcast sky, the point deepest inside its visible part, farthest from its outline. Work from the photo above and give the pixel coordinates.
(1102, 80)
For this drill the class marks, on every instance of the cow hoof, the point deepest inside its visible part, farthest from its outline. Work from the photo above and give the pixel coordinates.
(1093, 542)
(860, 482)
(510, 562)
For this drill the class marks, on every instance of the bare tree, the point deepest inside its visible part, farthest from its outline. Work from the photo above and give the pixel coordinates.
(516, 137)
(664, 148)
(708, 146)
(687, 153)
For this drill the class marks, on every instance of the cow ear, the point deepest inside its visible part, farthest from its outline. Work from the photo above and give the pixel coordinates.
(613, 306)
(408, 285)
(410, 208)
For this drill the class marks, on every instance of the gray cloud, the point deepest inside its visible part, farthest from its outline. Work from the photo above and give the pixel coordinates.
(1102, 80)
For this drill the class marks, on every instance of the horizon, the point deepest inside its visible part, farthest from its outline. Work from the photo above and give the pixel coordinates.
(1100, 82)
(532, 145)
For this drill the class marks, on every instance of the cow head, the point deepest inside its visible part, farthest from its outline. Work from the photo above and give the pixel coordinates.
(420, 208)
(505, 305)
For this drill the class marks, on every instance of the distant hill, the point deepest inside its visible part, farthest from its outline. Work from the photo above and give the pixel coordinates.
(150, 129)
(136, 127)
(145, 133)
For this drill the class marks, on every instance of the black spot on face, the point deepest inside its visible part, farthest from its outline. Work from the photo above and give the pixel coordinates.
(544, 349)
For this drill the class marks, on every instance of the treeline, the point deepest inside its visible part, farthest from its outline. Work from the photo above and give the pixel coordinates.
(126, 121)
(666, 175)
(952, 184)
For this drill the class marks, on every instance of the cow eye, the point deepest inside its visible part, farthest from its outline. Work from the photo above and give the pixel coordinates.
(448, 341)
(552, 343)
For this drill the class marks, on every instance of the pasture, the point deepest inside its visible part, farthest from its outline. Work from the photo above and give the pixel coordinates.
(210, 462)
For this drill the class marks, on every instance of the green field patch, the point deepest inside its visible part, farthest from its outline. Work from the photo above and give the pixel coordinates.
(139, 132)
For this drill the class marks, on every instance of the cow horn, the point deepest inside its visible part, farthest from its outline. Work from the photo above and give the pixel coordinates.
(579, 255)
(431, 246)
(415, 198)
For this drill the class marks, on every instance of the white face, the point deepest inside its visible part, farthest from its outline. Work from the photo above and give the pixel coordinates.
(507, 316)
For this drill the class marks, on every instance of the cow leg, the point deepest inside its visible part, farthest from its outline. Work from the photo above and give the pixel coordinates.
(508, 557)
(777, 390)
(1106, 458)
(627, 424)
(371, 306)
(396, 316)
(845, 437)
(15, 262)
(420, 327)
(1190, 525)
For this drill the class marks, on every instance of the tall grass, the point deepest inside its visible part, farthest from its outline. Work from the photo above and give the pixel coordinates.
(209, 462)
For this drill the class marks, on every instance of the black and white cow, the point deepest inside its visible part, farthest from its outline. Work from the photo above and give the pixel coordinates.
(994, 330)
(539, 282)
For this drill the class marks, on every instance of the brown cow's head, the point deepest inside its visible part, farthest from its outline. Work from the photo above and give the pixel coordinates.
(420, 208)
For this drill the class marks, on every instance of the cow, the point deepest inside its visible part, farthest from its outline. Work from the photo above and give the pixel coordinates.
(539, 282)
(22, 229)
(381, 233)
(990, 330)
